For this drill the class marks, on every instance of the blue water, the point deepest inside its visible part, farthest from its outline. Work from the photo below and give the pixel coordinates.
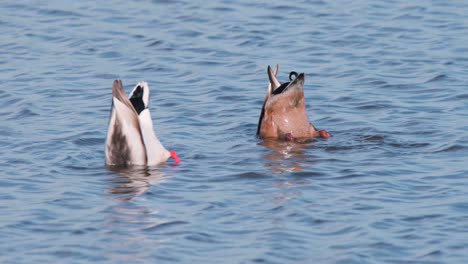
(388, 79)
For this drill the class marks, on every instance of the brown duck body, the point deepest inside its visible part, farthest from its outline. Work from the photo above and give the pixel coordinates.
(284, 115)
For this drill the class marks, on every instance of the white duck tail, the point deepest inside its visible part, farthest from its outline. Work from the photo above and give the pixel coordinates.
(131, 139)
(124, 144)
(155, 151)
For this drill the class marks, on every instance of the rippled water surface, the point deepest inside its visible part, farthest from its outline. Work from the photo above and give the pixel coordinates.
(387, 78)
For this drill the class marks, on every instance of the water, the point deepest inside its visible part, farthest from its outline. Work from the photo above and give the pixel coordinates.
(386, 78)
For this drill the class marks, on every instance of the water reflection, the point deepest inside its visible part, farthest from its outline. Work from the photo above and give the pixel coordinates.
(131, 223)
(285, 156)
(133, 181)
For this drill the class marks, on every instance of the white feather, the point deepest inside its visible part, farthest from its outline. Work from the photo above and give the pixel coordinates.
(155, 151)
(124, 144)
(126, 118)
(131, 139)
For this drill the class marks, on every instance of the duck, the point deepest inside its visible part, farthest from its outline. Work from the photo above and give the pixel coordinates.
(283, 115)
(131, 139)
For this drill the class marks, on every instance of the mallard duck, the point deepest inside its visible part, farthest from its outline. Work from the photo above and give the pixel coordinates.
(131, 139)
(284, 115)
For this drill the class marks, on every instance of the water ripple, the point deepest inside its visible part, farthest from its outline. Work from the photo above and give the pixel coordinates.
(386, 79)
